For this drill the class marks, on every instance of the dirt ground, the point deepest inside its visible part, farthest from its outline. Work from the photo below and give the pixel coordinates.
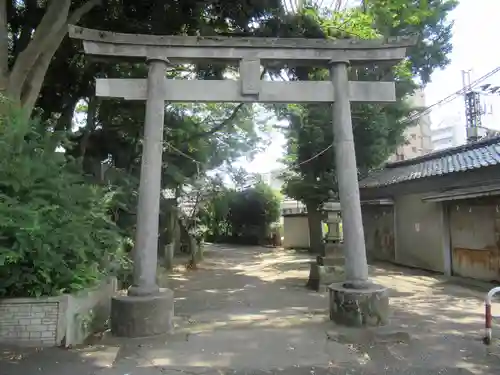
(246, 311)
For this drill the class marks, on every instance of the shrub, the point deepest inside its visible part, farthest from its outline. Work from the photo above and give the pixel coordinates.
(55, 232)
(242, 216)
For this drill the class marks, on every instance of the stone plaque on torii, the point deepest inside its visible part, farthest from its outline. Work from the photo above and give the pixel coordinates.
(147, 310)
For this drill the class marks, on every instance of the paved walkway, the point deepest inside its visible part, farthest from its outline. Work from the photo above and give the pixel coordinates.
(246, 311)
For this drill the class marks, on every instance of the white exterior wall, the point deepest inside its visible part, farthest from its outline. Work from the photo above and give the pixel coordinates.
(418, 137)
(296, 232)
(445, 137)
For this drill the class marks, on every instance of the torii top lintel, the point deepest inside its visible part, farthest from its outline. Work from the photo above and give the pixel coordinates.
(193, 48)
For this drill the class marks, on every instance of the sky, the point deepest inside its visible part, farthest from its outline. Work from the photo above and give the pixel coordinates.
(475, 46)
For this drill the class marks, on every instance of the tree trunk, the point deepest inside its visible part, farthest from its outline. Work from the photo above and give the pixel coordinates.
(169, 242)
(54, 19)
(364, 5)
(34, 80)
(4, 47)
(196, 252)
(177, 240)
(176, 227)
(25, 80)
(314, 219)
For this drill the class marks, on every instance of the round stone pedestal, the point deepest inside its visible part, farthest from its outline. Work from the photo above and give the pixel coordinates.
(142, 316)
(359, 307)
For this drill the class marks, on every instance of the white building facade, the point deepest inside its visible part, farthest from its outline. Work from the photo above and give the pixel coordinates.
(446, 136)
(418, 137)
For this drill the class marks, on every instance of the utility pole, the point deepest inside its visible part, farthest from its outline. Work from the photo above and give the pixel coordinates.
(472, 108)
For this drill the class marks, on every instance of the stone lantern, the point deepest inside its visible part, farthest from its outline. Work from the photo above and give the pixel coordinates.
(333, 220)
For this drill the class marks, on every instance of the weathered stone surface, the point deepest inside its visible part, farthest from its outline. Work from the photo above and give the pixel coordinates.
(320, 275)
(182, 49)
(334, 250)
(142, 316)
(359, 307)
(231, 91)
(145, 254)
(78, 32)
(356, 267)
(333, 221)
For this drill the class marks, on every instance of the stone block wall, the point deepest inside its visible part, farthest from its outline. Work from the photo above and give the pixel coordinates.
(52, 321)
(29, 322)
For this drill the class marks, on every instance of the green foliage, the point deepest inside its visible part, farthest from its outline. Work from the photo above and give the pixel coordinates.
(309, 132)
(215, 210)
(124, 200)
(242, 216)
(378, 129)
(425, 19)
(199, 137)
(211, 134)
(208, 133)
(252, 210)
(56, 235)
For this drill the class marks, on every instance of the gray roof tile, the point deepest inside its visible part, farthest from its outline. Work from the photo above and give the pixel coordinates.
(457, 159)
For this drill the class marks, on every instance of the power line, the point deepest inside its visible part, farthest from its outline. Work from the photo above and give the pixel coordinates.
(427, 110)
(197, 163)
(452, 96)
(314, 156)
(182, 153)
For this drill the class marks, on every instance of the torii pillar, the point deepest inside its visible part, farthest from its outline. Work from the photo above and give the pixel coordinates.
(148, 310)
(356, 301)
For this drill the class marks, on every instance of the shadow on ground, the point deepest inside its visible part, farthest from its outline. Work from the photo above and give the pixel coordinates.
(246, 310)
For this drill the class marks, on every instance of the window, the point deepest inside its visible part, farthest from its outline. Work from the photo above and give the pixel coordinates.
(413, 136)
(414, 149)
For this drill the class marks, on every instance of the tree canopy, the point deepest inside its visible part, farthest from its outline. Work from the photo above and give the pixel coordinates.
(47, 75)
(378, 129)
(241, 215)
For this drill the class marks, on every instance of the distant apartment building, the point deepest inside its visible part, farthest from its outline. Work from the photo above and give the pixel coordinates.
(418, 137)
(446, 136)
(452, 131)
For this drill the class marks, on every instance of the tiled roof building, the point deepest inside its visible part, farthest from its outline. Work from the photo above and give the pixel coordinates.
(457, 159)
(439, 212)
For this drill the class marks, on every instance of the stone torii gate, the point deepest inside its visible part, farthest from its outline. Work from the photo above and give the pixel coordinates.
(147, 310)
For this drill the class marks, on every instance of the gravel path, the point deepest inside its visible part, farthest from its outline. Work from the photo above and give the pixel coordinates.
(246, 311)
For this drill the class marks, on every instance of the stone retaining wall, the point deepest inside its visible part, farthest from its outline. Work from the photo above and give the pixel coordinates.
(29, 321)
(62, 320)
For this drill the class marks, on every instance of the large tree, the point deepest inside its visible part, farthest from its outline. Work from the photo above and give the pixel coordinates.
(41, 68)
(31, 31)
(378, 129)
